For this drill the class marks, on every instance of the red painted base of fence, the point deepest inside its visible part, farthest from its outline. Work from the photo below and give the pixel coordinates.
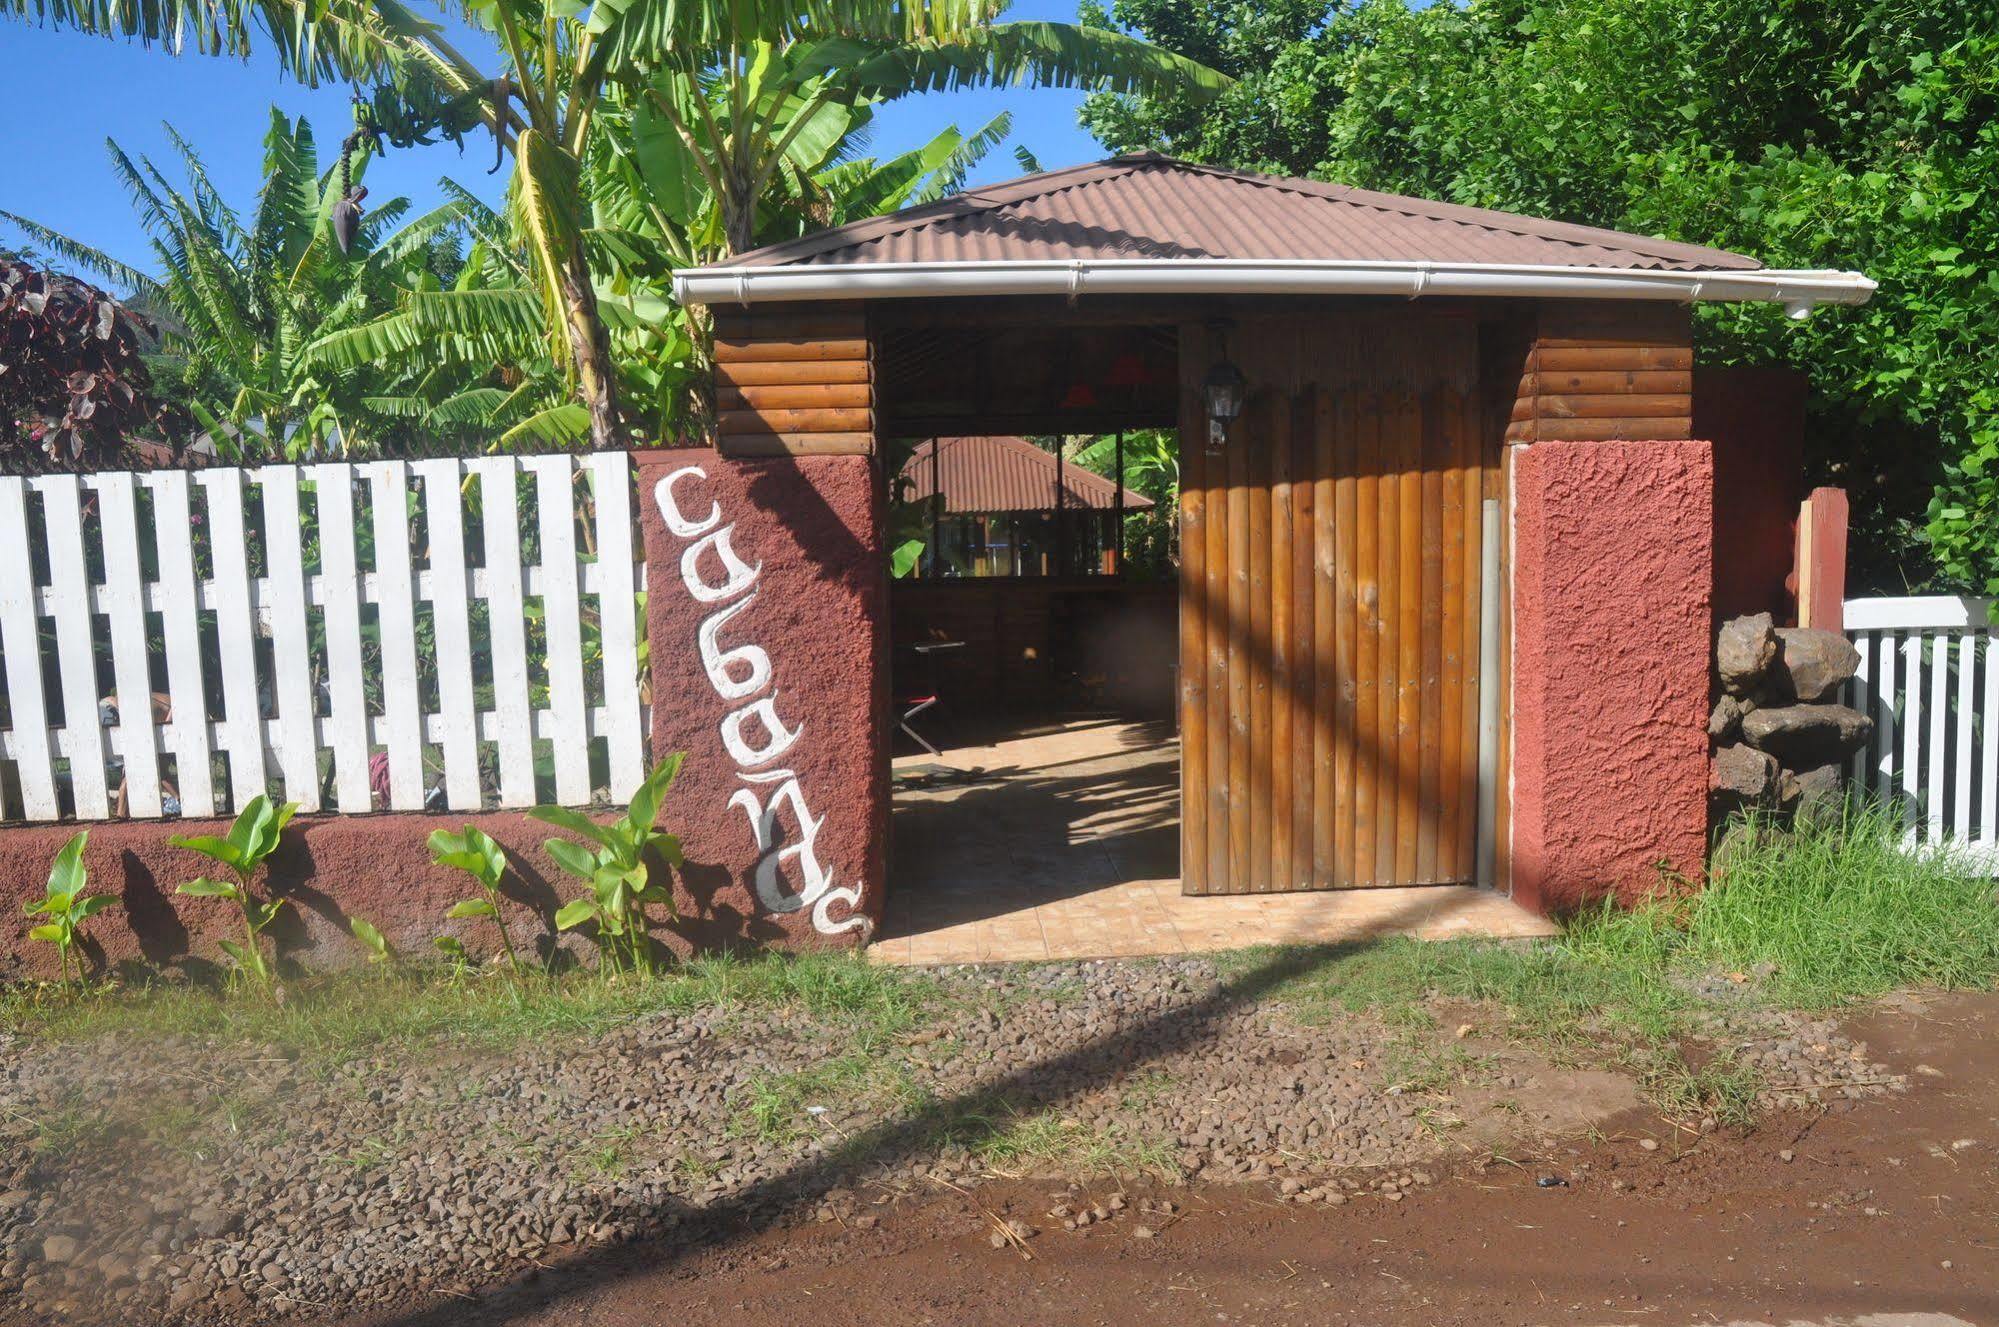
(767, 616)
(1612, 564)
(332, 868)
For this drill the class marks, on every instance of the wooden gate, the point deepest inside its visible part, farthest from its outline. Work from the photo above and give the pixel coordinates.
(1330, 608)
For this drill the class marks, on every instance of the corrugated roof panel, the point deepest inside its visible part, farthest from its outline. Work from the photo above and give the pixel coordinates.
(990, 474)
(1149, 206)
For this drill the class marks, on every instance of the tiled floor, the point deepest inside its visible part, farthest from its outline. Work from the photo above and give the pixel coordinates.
(1063, 843)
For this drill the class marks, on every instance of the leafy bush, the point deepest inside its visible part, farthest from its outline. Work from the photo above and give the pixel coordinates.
(65, 904)
(251, 840)
(621, 882)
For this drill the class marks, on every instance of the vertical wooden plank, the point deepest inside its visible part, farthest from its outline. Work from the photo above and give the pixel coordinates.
(451, 620)
(1276, 753)
(1887, 708)
(340, 610)
(1933, 784)
(1193, 674)
(1327, 659)
(125, 606)
(1499, 487)
(1452, 807)
(617, 610)
(1238, 662)
(1409, 638)
(1305, 670)
(1967, 710)
(1989, 775)
(395, 607)
(1471, 490)
(1259, 642)
(20, 639)
(180, 608)
(1343, 466)
(499, 505)
(1430, 718)
(236, 635)
(1373, 568)
(555, 505)
(1860, 696)
(291, 659)
(69, 588)
(1218, 574)
(1910, 788)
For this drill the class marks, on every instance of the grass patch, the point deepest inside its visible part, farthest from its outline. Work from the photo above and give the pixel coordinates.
(1837, 910)
(337, 1015)
(1012, 1142)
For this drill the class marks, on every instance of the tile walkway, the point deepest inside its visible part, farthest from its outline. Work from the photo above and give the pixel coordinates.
(1063, 842)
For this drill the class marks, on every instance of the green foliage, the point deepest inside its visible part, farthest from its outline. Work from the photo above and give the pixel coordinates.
(252, 838)
(474, 852)
(613, 862)
(1860, 135)
(65, 904)
(248, 295)
(372, 940)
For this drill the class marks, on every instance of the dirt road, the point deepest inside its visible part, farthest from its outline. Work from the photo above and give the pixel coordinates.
(1883, 1213)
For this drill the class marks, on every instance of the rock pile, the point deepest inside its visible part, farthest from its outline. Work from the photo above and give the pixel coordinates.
(1779, 733)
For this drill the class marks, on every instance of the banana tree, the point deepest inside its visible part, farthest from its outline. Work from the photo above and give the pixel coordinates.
(561, 59)
(242, 297)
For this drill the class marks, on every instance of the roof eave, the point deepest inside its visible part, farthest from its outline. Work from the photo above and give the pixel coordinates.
(1798, 291)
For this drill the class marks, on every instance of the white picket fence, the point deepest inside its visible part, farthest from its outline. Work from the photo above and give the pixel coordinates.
(1929, 677)
(180, 641)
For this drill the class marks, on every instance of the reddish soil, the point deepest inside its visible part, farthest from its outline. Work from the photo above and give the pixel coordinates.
(1887, 1207)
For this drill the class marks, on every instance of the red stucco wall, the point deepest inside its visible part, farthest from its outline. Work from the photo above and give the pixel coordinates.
(1612, 573)
(768, 619)
(332, 867)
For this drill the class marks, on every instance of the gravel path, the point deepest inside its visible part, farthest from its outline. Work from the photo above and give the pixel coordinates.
(222, 1183)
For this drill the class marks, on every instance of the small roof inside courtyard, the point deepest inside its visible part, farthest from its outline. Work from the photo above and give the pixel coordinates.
(981, 475)
(1151, 224)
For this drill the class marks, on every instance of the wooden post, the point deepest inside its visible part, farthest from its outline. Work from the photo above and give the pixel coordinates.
(1061, 517)
(1117, 509)
(1821, 560)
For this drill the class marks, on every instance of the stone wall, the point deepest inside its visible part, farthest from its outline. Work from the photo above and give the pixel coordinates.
(1780, 736)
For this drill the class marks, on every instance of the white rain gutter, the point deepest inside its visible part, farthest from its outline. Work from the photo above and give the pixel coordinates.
(1798, 291)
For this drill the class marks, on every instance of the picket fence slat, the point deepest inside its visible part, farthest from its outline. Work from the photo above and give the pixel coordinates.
(20, 639)
(298, 720)
(242, 711)
(188, 734)
(616, 590)
(499, 492)
(429, 659)
(82, 735)
(562, 621)
(346, 681)
(1935, 750)
(138, 750)
(450, 598)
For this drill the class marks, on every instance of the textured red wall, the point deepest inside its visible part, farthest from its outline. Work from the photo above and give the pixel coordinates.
(332, 867)
(1612, 574)
(767, 608)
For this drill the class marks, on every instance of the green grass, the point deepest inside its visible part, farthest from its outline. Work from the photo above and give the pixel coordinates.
(335, 1016)
(1837, 910)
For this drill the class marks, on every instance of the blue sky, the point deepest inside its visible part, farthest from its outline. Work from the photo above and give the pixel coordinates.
(86, 89)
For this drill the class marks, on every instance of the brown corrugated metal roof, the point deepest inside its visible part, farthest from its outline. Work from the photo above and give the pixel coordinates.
(1151, 206)
(1005, 474)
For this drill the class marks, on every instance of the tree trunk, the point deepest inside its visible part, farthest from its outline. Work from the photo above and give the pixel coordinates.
(596, 384)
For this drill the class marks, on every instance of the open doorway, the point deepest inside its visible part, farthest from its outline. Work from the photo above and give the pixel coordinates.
(1035, 617)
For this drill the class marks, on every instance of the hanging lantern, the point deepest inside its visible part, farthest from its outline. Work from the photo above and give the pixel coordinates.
(1224, 391)
(1080, 397)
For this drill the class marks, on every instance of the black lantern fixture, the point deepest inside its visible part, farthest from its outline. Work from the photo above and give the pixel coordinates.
(1223, 391)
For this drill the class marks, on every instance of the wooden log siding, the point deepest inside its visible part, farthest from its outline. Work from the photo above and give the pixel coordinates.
(794, 381)
(1606, 372)
(1330, 611)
